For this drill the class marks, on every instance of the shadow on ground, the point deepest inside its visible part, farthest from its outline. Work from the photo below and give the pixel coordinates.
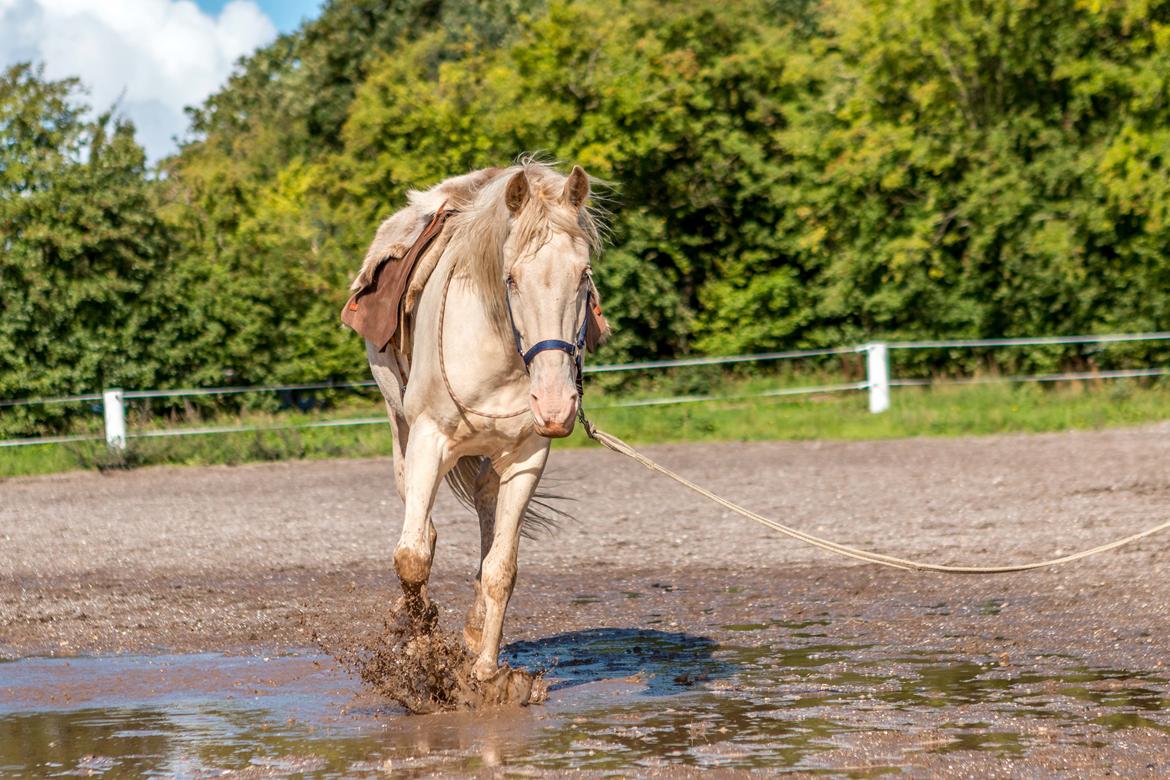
(668, 662)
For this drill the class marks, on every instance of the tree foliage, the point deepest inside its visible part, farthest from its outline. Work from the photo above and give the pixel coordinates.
(782, 174)
(83, 251)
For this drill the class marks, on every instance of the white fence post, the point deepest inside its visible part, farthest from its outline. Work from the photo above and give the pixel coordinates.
(877, 370)
(115, 415)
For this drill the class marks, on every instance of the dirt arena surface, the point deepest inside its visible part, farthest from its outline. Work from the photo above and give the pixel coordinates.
(678, 638)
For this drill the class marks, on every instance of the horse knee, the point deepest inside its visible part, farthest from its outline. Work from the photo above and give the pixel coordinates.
(475, 613)
(413, 564)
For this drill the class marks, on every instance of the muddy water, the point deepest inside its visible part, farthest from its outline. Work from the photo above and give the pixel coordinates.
(620, 700)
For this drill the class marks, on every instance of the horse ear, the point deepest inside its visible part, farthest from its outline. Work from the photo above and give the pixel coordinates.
(576, 188)
(517, 191)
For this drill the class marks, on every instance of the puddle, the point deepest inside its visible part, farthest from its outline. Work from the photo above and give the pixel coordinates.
(621, 700)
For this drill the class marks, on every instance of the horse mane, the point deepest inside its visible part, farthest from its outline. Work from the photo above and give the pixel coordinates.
(480, 230)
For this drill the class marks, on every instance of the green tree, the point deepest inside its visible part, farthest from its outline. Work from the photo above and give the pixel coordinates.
(83, 247)
(668, 101)
(267, 251)
(779, 174)
(968, 169)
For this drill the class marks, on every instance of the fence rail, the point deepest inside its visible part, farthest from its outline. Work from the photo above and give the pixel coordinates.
(194, 391)
(723, 360)
(1068, 376)
(49, 440)
(1032, 341)
(878, 383)
(64, 399)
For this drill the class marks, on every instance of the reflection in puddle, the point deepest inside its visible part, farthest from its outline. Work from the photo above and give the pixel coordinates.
(621, 699)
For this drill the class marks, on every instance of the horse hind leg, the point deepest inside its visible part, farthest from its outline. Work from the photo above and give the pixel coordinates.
(389, 373)
(400, 436)
(487, 489)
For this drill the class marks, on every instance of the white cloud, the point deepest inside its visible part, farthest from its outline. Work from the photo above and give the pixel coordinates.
(156, 56)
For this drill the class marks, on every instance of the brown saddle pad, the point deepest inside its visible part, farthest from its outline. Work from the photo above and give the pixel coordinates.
(374, 311)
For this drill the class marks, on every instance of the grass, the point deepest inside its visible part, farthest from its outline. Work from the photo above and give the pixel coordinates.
(944, 411)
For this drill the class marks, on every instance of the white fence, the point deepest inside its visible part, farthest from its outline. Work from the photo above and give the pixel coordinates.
(878, 383)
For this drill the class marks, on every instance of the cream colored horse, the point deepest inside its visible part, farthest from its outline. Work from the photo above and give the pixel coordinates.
(513, 270)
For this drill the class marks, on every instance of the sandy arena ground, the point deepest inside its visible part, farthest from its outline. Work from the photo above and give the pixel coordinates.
(1059, 672)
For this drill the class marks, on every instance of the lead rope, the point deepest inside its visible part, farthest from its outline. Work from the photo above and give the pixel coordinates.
(615, 444)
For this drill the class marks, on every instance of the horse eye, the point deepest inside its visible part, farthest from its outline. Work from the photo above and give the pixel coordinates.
(510, 281)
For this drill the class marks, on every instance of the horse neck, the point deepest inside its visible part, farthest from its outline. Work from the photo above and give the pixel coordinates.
(470, 334)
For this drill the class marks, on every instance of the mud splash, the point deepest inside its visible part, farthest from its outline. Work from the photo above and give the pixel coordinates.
(429, 670)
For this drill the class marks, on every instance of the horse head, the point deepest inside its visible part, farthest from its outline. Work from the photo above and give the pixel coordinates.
(548, 289)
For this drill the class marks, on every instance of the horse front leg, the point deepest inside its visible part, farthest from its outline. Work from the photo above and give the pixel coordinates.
(518, 480)
(427, 460)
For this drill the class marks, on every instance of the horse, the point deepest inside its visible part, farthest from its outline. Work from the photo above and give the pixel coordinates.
(486, 370)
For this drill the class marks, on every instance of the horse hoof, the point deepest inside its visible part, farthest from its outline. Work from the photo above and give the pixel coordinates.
(485, 670)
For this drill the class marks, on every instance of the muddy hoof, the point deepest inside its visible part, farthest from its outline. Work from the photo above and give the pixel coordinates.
(512, 686)
(485, 670)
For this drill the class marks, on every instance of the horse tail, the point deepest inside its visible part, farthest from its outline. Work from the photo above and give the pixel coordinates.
(541, 515)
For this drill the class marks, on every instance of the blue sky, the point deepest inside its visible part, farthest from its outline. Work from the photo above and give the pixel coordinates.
(150, 58)
(287, 15)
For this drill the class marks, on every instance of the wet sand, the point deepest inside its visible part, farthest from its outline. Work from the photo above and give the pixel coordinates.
(681, 638)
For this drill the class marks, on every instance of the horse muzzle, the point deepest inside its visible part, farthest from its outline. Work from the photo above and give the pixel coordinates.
(554, 413)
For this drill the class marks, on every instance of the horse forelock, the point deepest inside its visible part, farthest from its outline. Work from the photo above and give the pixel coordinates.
(483, 228)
